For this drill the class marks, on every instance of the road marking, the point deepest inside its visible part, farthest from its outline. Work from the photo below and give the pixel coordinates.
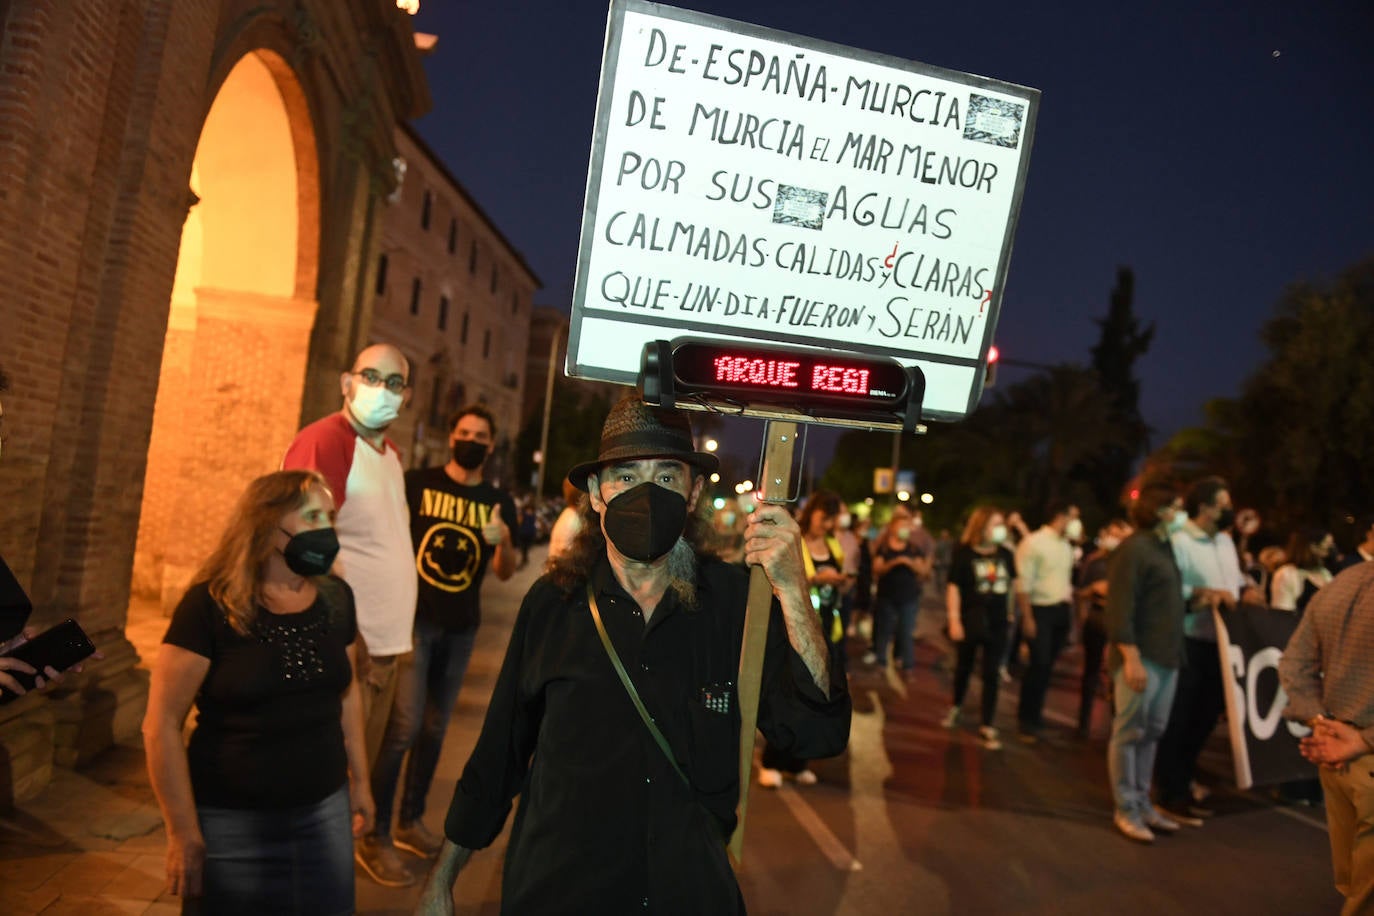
(811, 822)
(1287, 812)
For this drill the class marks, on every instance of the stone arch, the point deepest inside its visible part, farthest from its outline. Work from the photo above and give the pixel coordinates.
(242, 308)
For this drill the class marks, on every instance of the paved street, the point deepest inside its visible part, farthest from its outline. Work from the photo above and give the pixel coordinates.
(913, 819)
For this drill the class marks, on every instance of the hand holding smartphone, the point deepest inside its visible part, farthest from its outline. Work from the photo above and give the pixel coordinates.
(44, 656)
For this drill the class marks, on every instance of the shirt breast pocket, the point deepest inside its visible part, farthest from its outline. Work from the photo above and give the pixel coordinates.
(714, 740)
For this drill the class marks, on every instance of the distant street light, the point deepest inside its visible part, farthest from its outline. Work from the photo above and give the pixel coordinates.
(712, 445)
(715, 478)
(903, 495)
(927, 498)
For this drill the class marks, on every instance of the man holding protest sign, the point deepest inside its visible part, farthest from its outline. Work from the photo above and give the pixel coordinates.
(628, 771)
(1210, 570)
(1328, 673)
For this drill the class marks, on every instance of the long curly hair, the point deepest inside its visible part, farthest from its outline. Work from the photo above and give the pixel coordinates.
(234, 569)
(570, 569)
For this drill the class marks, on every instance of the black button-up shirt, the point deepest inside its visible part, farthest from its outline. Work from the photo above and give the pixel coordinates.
(605, 825)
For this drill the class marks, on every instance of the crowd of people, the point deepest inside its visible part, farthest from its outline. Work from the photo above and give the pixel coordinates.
(324, 642)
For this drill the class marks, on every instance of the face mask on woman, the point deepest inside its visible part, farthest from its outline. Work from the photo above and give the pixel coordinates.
(999, 534)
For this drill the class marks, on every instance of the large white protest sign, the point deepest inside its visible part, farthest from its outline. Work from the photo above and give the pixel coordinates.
(748, 184)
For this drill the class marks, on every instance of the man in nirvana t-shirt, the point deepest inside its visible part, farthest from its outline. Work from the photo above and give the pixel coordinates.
(459, 525)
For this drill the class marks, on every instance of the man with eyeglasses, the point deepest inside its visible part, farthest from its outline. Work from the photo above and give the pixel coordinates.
(351, 450)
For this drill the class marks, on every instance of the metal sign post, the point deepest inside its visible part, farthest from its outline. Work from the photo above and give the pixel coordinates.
(779, 441)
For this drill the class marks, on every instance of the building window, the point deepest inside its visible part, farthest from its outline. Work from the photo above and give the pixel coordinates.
(415, 296)
(425, 210)
(381, 274)
(493, 278)
(463, 330)
(436, 402)
(452, 236)
(472, 257)
(486, 343)
(443, 312)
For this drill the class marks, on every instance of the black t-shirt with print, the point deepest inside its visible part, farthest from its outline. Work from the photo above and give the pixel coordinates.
(269, 730)
(451, 558)
(984, 581)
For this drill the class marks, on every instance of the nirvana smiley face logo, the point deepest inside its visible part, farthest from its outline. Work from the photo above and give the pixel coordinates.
(448, 557)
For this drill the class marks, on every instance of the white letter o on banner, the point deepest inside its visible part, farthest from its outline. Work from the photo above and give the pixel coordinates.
(1263, 729)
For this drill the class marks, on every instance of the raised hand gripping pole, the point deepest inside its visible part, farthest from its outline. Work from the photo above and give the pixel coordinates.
(775, 487)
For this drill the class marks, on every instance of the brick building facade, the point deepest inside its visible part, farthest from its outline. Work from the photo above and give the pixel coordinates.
(265, 128)
(455, 295)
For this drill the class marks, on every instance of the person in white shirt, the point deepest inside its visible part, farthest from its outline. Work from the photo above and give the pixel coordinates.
(1044, 592)
(1210, 571)
(1297, 581)
(351, 450)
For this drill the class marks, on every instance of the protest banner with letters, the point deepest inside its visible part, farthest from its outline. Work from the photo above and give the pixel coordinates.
(1250, 642)
(747, 184)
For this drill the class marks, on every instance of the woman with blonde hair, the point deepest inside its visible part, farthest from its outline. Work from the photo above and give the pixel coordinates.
(258, 807)
(978, 600)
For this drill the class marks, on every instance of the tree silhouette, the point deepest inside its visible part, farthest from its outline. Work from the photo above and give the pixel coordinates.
(1121, 342)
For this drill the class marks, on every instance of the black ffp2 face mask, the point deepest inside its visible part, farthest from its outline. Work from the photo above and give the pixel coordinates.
(311, 553)
(644, 522)
(469, 453)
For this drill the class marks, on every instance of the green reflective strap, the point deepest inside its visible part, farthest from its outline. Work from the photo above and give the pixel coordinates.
(630, 687)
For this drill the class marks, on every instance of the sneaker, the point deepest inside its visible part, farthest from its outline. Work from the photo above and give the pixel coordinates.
(951, 718)
(770, 779)
(806, 778)
(1131, 828)
(1154, 818)
(990, 738)
(418, 839)
(1179, 813)
(382, 862)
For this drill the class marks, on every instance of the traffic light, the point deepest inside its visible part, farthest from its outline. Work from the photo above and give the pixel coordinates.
(990, 374)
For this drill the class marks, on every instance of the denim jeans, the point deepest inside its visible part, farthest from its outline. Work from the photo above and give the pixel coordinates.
(891, 616)
(296, 860)
(427, 687)
(1139, 723)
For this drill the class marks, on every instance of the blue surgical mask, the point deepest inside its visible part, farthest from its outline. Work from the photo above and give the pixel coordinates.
(1177, 519)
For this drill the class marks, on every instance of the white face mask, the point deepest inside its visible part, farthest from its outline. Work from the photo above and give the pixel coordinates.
(1177, 519)
(1074, 529)
(374, 408)
(845, 520)
(903, 532)
(999, 533)
(1108, 542)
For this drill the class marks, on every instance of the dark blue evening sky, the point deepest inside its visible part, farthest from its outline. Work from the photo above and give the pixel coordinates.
(1223, 150)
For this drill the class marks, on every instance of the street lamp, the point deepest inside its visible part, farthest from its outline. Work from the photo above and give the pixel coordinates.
(927, 498)
(548, 409)
(712, 445)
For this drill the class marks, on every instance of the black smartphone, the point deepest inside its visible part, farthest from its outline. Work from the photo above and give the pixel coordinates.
(61, 646)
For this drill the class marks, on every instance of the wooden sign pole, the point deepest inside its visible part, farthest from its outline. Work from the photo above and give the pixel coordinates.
(774, 486)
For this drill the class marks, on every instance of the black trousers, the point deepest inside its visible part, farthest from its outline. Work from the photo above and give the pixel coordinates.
(990, 641)
(1051, 632)
(1198, 703)
(1094, 644)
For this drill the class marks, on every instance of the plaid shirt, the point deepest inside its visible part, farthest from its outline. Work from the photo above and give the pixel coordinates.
(1328, 666)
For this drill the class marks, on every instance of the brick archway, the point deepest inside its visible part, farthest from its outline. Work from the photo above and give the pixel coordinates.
(238, 334)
